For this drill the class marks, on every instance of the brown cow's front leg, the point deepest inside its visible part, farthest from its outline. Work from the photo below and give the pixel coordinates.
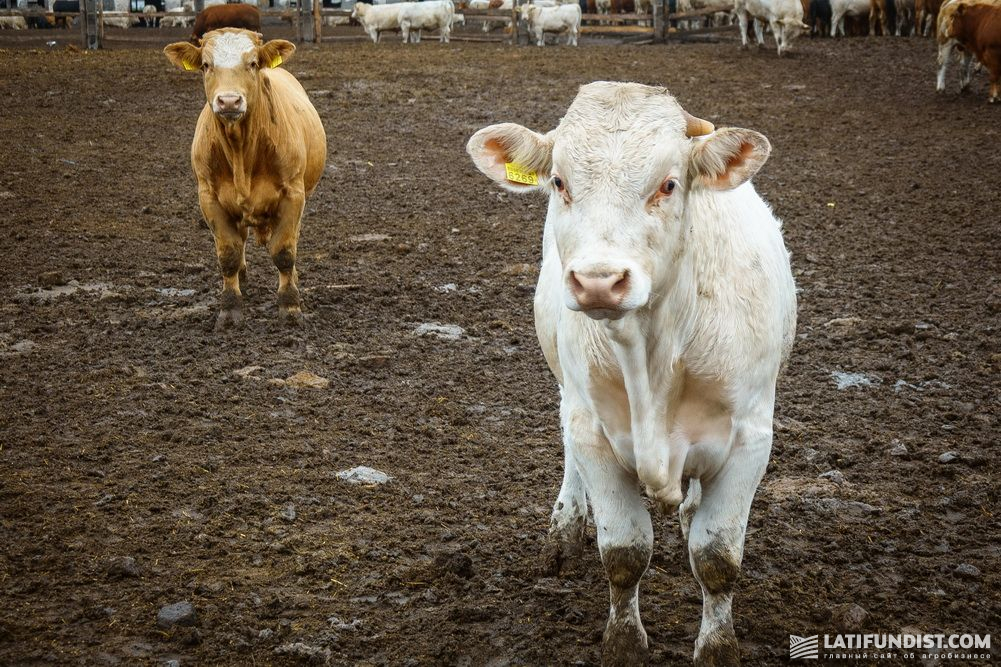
(229, 247)
(282, 246)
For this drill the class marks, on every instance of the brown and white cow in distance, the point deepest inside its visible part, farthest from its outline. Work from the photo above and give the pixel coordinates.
(258, 152)
(665, 307)
(974, 26)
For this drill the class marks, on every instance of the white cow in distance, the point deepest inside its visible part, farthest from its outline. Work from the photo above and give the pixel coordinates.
(784, 17)
(430, 15)
(558, 19)
(665, 308)
(376, 19)
(842, 8)
(13, 23)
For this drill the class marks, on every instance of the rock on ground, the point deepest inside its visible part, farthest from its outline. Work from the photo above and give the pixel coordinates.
(179, 613)
(363, 475)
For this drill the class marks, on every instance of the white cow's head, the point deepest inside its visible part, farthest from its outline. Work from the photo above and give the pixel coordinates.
(619, 170)
(231, 61)
(360, 9)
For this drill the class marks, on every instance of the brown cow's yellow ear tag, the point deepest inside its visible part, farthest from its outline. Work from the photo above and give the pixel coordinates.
(275, 62)
(188, 65)
(516, 173)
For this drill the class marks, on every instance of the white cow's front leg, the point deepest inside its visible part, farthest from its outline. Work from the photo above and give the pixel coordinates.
(742, 20)
(944, 54)
(716, 539)
(759, 32)
(625, 537)
(779, 35)
(569, 518)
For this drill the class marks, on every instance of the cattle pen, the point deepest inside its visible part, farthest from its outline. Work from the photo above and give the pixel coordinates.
(310, 21)
(173, 495)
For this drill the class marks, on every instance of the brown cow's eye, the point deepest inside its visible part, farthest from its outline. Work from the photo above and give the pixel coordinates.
(667, 189)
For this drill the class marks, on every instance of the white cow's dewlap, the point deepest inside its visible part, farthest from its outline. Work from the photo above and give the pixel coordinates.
(228, 49)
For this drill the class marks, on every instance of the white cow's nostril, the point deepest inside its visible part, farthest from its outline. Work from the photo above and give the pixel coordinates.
(600, 290)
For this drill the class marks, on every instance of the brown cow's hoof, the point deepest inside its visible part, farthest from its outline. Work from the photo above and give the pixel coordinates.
(290, 315)
(230, 310)
(229, 319)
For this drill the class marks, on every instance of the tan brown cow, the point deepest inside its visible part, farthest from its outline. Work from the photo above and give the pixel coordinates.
(976, 28)
(258, 152)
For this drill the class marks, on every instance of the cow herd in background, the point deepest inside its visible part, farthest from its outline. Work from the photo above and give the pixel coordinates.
(970, 29)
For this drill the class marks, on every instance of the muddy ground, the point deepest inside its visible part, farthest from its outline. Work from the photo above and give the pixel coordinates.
(127, 432)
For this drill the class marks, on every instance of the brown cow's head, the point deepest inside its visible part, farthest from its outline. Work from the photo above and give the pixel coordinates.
(231, 60)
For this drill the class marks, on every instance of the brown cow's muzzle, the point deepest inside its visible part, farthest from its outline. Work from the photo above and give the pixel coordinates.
(229, 106)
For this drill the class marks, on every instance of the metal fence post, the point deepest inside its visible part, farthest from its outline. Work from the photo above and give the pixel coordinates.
(90, 26)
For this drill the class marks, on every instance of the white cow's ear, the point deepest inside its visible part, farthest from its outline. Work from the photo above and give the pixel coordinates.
(728, 157)
(511, 155)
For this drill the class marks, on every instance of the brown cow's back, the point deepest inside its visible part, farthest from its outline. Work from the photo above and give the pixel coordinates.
(226, 16)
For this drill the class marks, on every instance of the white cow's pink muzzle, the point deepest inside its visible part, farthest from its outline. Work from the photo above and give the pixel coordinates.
(603, 291)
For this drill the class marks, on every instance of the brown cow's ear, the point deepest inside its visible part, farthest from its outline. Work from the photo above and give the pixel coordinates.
(728, 158)
(274, 53)
(184, 56)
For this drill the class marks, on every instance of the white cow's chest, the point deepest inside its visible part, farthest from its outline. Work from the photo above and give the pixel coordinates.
(689, 412)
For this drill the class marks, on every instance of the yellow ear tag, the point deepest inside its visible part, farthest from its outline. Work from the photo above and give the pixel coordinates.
(519, 174)
(188, 65)
(275, 62)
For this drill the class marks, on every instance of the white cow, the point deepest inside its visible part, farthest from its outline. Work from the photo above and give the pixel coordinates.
(120, 20)
(377, 18)
(562, 18)
(483, 5)
(784, 17)
(13, 23)
(430, 15)
(842, 8)
(177, 21)
(665, 308)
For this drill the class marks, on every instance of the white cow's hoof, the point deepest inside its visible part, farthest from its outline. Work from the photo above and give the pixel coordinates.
(718, 649)
(564, 545)
(624, 645)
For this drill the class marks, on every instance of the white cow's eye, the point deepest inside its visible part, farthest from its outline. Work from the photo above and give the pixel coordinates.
(558, 183)
(667, 188)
